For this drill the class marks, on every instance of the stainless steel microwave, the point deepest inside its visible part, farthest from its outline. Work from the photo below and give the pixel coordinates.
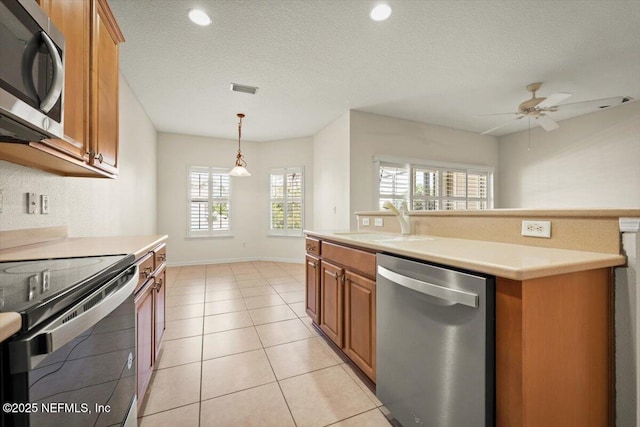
(31, 73)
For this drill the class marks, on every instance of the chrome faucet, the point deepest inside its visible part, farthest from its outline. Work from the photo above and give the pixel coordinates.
(403, 217)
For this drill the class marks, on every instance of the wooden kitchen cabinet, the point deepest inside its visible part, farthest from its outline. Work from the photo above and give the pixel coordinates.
(90, 99)
(312, 288)
(150, 298)
(344, 280)
(331, 305)
(360, 322)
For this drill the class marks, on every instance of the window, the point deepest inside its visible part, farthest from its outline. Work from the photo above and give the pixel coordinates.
(435, 186)
(286, 202)
(209, 201)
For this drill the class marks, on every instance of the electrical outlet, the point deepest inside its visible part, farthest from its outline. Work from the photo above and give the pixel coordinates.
(378, 222)
(365, 221)
(536, 228)
(44, 204)
(32, 203)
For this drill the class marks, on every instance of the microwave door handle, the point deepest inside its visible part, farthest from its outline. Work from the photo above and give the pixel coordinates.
(27, 353)
(28, 58)
(58, 76)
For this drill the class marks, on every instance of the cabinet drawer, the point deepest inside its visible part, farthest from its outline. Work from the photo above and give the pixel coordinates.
(312, 245)
(160, 256)
(146, 267)
(354, 259)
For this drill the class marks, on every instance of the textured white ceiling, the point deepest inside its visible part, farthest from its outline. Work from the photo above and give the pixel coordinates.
(439, 62)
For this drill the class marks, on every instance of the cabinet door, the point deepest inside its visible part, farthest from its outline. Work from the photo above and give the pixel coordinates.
(105, 37)
(312, 296)
(71, 17)
(360, 322)
(331, 280)
(144, 338)
(159, 293)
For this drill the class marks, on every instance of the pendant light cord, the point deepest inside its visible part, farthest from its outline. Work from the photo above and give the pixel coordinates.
(239, 160)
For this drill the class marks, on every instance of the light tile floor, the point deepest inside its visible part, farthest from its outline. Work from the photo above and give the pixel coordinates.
(239, 350)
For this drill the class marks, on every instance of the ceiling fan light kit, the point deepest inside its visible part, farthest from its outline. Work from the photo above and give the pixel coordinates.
(538, 108)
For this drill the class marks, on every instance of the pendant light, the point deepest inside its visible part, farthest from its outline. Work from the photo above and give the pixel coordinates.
(240, 169)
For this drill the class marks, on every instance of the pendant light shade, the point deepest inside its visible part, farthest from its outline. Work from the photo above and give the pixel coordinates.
(240, 169)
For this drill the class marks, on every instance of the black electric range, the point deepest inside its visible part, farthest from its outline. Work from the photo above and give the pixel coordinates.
(72, 362)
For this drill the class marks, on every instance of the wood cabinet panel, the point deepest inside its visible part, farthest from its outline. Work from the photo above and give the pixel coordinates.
(159, 308)
(144, 338)
(104, 88)
(355, 259)
(72, 18)
(312, 288)
(313, 246)
(360, 322)
(554, 350)
(331, 306)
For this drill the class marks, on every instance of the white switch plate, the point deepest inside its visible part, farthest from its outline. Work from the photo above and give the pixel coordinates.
(536, 228)
(44, 204)
(378, 222)
(365, 221)
(32, 203)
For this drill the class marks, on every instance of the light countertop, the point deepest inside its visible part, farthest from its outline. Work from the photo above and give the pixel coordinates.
(517, 262)
(72, 247)
(83, 246)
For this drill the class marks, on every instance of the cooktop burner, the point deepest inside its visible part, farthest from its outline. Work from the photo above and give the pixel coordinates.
(37, 287)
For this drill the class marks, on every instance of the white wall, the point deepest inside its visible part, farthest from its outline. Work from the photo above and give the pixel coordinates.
(590, 161)
(332, 210)
(125, 206)
(249, 198)
(372, 135)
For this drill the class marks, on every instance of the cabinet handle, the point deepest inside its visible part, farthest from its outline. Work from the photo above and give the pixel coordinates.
(312, 264)
(100, 158)
(162, 257)
(145, 274)
(158, 285)
(336, 275)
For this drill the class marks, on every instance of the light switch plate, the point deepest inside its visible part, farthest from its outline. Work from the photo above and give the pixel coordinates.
(44, 204)
(365, 221)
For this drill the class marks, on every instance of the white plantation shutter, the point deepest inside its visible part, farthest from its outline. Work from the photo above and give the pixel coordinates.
(209, 201)
(286, 201)
(393, 184)
(436, 186)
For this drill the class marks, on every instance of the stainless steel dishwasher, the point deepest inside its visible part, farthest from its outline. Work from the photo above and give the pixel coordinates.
(435, 344)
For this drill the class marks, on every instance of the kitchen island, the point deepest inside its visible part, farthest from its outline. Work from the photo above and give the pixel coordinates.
(554, 320)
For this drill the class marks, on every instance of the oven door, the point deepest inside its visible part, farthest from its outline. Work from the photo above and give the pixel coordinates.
(79, 368)
(32, 73)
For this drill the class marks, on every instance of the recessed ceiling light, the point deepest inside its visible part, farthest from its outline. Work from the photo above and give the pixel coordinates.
(381, 12)
(199, 17)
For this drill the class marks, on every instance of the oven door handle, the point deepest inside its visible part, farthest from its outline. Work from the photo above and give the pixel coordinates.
(26, 353)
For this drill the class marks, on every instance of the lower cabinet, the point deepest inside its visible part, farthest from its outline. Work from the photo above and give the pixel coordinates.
(346, 307)
(150, 315)
(360, 322)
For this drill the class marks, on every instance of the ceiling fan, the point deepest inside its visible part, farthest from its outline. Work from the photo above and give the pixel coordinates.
(539, 108)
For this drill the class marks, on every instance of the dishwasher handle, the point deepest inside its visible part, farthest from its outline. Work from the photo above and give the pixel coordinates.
(451, 295)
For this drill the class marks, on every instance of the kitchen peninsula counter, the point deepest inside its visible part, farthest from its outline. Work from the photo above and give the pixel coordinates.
(511, 261)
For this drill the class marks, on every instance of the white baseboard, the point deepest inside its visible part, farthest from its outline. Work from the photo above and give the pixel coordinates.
(232, 260)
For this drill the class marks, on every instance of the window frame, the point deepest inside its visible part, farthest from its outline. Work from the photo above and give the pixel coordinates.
(411, 165)
(210, 232)
(285, 200)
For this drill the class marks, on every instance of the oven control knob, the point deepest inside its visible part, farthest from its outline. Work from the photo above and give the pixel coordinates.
(130, 361)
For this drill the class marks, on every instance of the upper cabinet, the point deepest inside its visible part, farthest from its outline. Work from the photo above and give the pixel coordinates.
(90, 144)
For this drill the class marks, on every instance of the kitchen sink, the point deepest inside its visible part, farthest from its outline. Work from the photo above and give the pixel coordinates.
(381, 237)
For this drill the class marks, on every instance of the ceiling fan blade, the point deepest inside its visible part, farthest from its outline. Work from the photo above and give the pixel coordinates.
(553, 99)
(594, 104)
(496, 114)
(547, 123)
(500, 126)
